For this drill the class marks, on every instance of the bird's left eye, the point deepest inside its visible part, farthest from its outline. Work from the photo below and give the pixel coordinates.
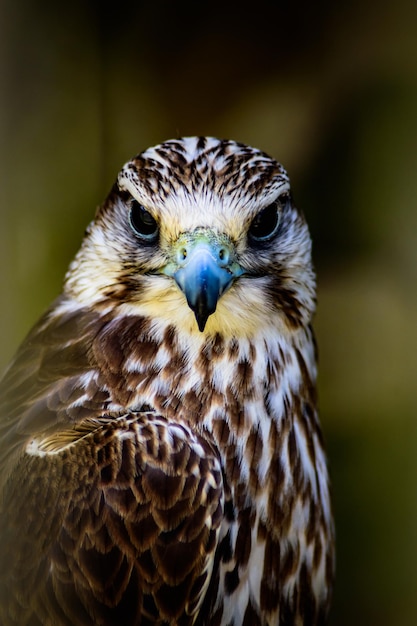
(265, 224)
(142, 222)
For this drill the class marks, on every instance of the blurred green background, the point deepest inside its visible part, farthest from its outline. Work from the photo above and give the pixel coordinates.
(329, 89)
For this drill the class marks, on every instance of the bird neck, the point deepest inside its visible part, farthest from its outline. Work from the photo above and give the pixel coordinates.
(196, 375)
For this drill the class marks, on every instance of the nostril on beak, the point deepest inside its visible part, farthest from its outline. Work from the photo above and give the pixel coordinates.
(224, 255)
(182, 254)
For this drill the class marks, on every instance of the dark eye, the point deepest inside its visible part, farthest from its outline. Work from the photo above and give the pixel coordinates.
(265, 224)
(142, 222)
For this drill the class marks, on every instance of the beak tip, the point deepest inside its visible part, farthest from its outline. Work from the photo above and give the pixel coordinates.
(202, 314)
(201, 323)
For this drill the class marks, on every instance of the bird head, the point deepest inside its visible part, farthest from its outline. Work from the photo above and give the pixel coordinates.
(203, 234)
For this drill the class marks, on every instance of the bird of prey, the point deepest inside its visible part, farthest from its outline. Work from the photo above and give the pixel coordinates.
(161, 459)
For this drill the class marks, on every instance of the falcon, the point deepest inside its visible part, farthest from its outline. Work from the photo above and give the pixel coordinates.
(161, 459)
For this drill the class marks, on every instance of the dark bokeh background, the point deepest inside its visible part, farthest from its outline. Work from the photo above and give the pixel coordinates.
(330, 89)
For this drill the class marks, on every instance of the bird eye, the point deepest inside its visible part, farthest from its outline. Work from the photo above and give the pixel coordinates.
(142, 222)
(265, 224)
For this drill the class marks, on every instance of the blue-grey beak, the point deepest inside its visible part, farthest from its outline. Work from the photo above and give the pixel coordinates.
(204, 267)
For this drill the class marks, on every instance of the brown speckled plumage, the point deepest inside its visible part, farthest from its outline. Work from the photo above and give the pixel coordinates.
(162, 462)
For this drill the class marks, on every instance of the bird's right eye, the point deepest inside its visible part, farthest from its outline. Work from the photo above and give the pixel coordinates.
(266, 223)
(142, 222)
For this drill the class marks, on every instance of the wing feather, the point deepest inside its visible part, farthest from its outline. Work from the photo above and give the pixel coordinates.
(102, 528)
(40, 391)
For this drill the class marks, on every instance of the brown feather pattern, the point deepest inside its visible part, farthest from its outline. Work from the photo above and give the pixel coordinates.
(135, 513)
